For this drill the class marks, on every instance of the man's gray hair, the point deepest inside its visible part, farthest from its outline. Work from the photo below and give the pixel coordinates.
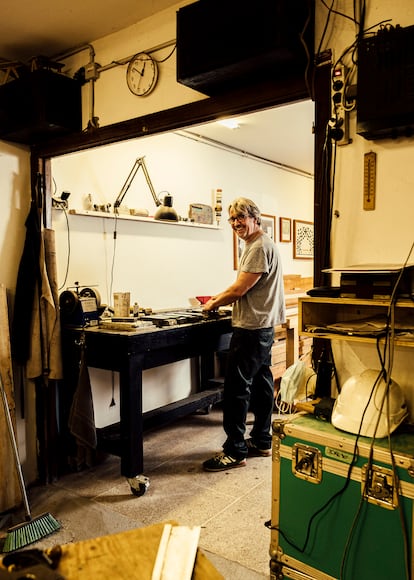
(245, 206)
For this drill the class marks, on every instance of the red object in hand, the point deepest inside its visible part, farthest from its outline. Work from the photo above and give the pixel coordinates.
(203, 299)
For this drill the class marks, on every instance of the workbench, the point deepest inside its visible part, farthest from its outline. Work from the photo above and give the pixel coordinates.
(130, 353)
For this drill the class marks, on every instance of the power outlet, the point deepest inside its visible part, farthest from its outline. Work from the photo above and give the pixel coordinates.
(58, 203)
(62, 201)
(339, 122)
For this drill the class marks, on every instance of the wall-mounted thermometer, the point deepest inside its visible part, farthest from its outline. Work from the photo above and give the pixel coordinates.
(370, 177)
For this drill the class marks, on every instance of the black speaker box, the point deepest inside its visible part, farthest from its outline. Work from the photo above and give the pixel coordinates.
(39, 105)
(229, 44)
(385, 86)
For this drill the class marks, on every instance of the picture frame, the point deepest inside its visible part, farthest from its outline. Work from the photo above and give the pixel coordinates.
(285, 229)
(268, 225)
(303, 240)
(237, 250)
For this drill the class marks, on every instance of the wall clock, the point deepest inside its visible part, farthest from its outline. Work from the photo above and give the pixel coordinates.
(142, 74)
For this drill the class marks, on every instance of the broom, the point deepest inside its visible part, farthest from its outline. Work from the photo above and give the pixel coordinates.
(34, 528)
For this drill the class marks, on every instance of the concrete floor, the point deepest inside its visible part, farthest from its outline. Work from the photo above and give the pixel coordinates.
(231, 507)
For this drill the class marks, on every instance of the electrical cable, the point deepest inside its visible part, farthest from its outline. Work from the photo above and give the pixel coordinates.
(306, 49)
(282, 407)
(325, 28)
(113, 403)
(391, 315)
(364, 493)
(68, 254)
(339, 13)
(113, 259)
(386, 360)
(161, 60)
(331, 189)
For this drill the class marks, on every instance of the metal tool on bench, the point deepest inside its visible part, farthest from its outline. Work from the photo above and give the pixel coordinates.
(79, 306)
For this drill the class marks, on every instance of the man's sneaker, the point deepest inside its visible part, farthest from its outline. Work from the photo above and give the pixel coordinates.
(222, 461)
(255, 451)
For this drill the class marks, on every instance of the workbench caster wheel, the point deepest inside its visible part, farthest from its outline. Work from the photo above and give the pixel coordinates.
(204, 410)
(138, 484)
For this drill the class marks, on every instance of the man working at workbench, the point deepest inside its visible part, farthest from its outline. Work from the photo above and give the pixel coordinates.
(258, 302)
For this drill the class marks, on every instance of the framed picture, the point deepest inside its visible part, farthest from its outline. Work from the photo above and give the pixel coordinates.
(285, 229)
(303, 240)
(269, 225)
(237, 250)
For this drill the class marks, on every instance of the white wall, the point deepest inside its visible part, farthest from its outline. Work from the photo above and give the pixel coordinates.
(14, 207)
(162, 265)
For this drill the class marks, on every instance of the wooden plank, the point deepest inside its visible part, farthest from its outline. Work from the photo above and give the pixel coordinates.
(130, 554)
(10, 495)
(176, 553)
(278, 370)
(296, 284)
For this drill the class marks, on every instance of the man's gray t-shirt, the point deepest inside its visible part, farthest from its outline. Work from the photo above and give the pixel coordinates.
(263, 306)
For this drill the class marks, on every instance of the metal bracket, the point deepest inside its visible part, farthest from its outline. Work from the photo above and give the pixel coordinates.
(307, 462)
(278, 427)
(379, 486)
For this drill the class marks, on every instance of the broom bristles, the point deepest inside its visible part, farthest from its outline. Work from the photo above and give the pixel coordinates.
(28, 532)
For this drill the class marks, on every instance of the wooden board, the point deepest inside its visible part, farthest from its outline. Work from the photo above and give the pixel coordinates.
(10, 495)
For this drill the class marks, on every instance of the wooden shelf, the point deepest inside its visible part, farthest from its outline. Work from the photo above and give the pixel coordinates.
(317, 314)
(107, 215)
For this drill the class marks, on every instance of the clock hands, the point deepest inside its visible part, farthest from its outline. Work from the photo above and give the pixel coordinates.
(140, 72)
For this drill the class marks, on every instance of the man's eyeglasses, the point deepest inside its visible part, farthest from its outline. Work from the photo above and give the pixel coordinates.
(239, 218)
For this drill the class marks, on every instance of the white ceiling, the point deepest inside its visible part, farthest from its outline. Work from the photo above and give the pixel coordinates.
(283, 135)
(49, 28)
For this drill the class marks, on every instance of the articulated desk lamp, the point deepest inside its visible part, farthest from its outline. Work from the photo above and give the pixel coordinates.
(165, 211)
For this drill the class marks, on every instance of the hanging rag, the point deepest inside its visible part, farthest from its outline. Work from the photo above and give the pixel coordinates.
(82, 418)
(28, 278)
(45, 357)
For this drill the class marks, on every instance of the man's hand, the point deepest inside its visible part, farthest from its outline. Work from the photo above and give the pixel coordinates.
(210, 305)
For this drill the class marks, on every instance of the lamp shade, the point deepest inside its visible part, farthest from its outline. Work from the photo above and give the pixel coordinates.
(166, 211)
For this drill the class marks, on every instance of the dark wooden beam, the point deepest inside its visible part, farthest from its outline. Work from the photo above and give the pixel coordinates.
(248, 100)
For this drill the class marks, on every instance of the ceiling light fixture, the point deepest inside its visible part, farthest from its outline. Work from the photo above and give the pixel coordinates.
(229, 123)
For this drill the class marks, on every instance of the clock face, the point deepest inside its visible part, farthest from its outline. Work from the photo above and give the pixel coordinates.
(142, 74)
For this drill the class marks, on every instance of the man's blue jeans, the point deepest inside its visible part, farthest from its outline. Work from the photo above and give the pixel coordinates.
(248, 385)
